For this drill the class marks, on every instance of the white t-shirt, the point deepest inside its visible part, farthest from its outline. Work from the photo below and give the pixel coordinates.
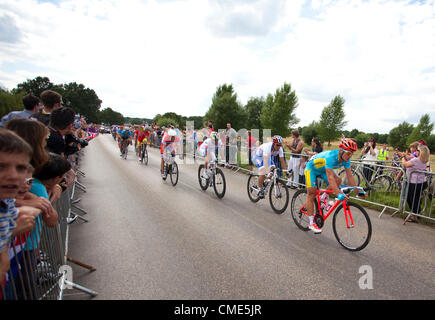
(369, 159)
(265, 150)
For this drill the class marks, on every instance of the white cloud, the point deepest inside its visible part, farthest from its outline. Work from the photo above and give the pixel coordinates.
(148, 57)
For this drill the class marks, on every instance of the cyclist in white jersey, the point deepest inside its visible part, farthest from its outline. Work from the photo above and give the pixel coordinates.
(208, 151)
(264, 160)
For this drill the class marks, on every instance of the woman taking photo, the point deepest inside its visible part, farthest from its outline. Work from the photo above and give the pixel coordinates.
(416, 179)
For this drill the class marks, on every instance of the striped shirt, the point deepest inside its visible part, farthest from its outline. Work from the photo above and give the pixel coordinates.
(8, 216)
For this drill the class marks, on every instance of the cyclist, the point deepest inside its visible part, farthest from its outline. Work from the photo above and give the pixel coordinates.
(208, 151)
(125, 136)
(141, 139)
(168, 145)
(264, 160)
(322, 164)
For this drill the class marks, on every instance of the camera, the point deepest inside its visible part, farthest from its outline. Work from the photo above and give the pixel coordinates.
(72, 143)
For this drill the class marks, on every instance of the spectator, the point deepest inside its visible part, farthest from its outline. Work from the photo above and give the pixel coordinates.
(383, 157)
(251, 143)
(316, 147)
(15, 155)
(61, 123)
(369, 156)
(295, 147)
(31, 105)
(51, 101)
(24, 224)
(35, 134)
(416, 180)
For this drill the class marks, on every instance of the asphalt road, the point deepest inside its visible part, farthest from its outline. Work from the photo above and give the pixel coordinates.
(150, 240)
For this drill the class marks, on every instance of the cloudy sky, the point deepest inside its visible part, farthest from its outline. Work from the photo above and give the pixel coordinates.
(144, 57)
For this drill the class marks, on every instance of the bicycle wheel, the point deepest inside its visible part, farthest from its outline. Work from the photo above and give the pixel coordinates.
(144, 156)
(173, 171)
(298, 202)
(219, 184)
(382, 183)
(356, 237)
(252, 186)
(278, 196)
(203, 183)
(165, 171)
(344, 180)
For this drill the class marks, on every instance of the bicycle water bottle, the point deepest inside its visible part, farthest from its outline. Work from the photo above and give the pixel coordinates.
(266, 182)
(323, 198)
(329, 205)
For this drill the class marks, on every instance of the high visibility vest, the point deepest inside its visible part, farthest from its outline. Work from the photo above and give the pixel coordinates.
(382, 155)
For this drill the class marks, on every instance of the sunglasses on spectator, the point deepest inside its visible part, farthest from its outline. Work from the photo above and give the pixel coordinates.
(29, 181)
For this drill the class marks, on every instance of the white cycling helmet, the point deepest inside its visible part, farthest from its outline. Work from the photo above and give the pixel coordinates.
(172, 133)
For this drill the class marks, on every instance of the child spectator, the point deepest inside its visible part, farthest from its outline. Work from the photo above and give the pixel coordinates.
(15, 155)
(51, 100)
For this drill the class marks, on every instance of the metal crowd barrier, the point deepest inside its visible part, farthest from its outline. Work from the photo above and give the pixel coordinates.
(38, 259)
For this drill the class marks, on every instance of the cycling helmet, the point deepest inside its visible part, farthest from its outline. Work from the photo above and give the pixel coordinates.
(172, 133)
(277, 139)
(348, 145)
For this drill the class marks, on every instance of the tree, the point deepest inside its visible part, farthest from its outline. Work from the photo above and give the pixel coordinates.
(253, 109)
(309, 132)
(431, 143)
(197, 120)
(34, 86)
(361, 138)
(109, 116)
(398, 136)
(10, 102)
(422, 131)
(278, 111)
(225, 109)
(353, 133)
(164, 122)
(332, 120)
(82, 100)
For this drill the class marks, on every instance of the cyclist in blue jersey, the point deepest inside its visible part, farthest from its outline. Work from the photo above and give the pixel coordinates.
(322, 165)
(126, 137)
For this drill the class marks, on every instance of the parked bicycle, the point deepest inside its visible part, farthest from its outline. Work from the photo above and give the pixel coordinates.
(351, 223)
(378, 181)
(216, 178)
(170, 168)
(275, 186)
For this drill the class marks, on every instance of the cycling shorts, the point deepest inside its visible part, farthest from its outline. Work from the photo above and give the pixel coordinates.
(211, 157)
(311, 175)
(259, 162)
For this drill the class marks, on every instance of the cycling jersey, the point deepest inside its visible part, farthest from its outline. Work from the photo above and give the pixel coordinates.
(125, 134)
(320, 162)
(266, 150)
(168, 145)
(141, 136)
(208, 149)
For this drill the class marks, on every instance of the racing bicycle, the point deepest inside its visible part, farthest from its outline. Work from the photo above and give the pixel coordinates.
(216, 179)
(143, 153)
(274, 186)
(170, 168)
(351, 223)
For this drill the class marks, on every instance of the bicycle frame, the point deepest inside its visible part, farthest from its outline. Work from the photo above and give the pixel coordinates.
(347, 213)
